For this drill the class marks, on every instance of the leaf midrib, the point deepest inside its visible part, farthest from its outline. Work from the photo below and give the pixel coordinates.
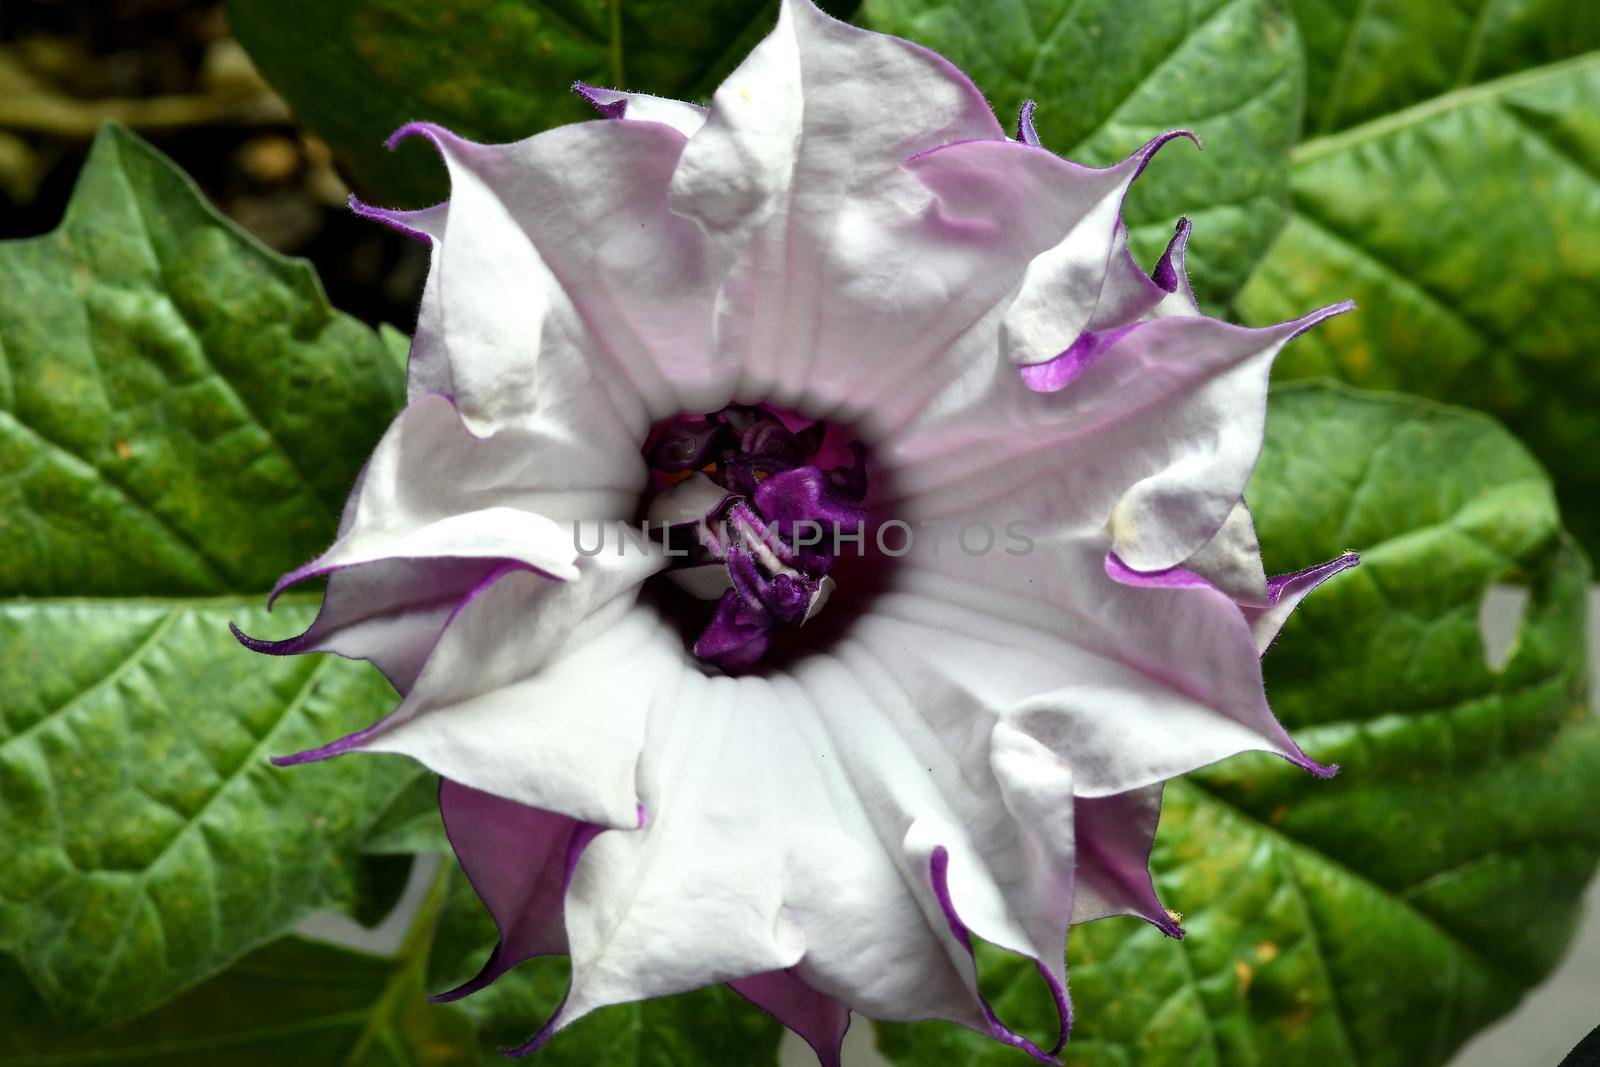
(1317, 147)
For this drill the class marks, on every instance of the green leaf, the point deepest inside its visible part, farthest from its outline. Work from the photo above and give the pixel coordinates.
(318, 1004)
(181, 411)
(1384, 916)
(705, 1028)
(1452, 189)
(491, 70)
(411, 824)
(1371, 58)
(181, 415)
(380, 883)
(295, 1001)
(1105, 82)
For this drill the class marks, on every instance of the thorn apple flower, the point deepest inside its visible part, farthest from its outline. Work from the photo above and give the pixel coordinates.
(686, 745)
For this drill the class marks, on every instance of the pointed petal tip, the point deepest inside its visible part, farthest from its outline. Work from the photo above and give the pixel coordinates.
(332, 748)
(1026, 132)
(294, 577)
(939, 878)
(395, 220)
(538, 1040)
(1063, 1002)
(1170, 272)
(465, 989)
(431, 130)
(610, 109)
(1320, 315)
(289, 646)
(490, 970)
(1144, 155)
(832, 1057)
(1319, 770)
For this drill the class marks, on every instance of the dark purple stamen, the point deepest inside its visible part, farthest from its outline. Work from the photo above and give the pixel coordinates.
(777, 529)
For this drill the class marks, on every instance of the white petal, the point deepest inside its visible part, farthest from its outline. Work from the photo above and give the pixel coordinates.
(1036, 786)
(1231, 560)
(569, 296)
(538, 691)
(1127, 294)
(1131, 686)
(1153, 441)
(1067, 289)
(390, 612)
(1114, 835)
(492, 533)
(866, 786)
(430, 466)
(434, 513)
(839, 287)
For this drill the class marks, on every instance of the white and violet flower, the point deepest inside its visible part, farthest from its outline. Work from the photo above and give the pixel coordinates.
(810, 542)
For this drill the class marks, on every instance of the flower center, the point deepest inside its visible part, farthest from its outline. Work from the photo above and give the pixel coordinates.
(753, 506)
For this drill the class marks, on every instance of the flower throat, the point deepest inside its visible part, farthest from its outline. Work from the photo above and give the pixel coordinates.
(753, 507)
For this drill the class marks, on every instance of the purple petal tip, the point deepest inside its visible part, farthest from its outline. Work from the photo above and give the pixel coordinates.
(432, 131)
(938, 870)
(1170, 271)
(615, 109)
(1148, 152)
(289, 646)
(1026, 132)
(1319, 770)
(1322, 314)
(332, 748)
(391, 219)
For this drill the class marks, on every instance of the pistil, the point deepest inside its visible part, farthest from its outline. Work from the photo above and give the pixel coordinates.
(759, 517)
